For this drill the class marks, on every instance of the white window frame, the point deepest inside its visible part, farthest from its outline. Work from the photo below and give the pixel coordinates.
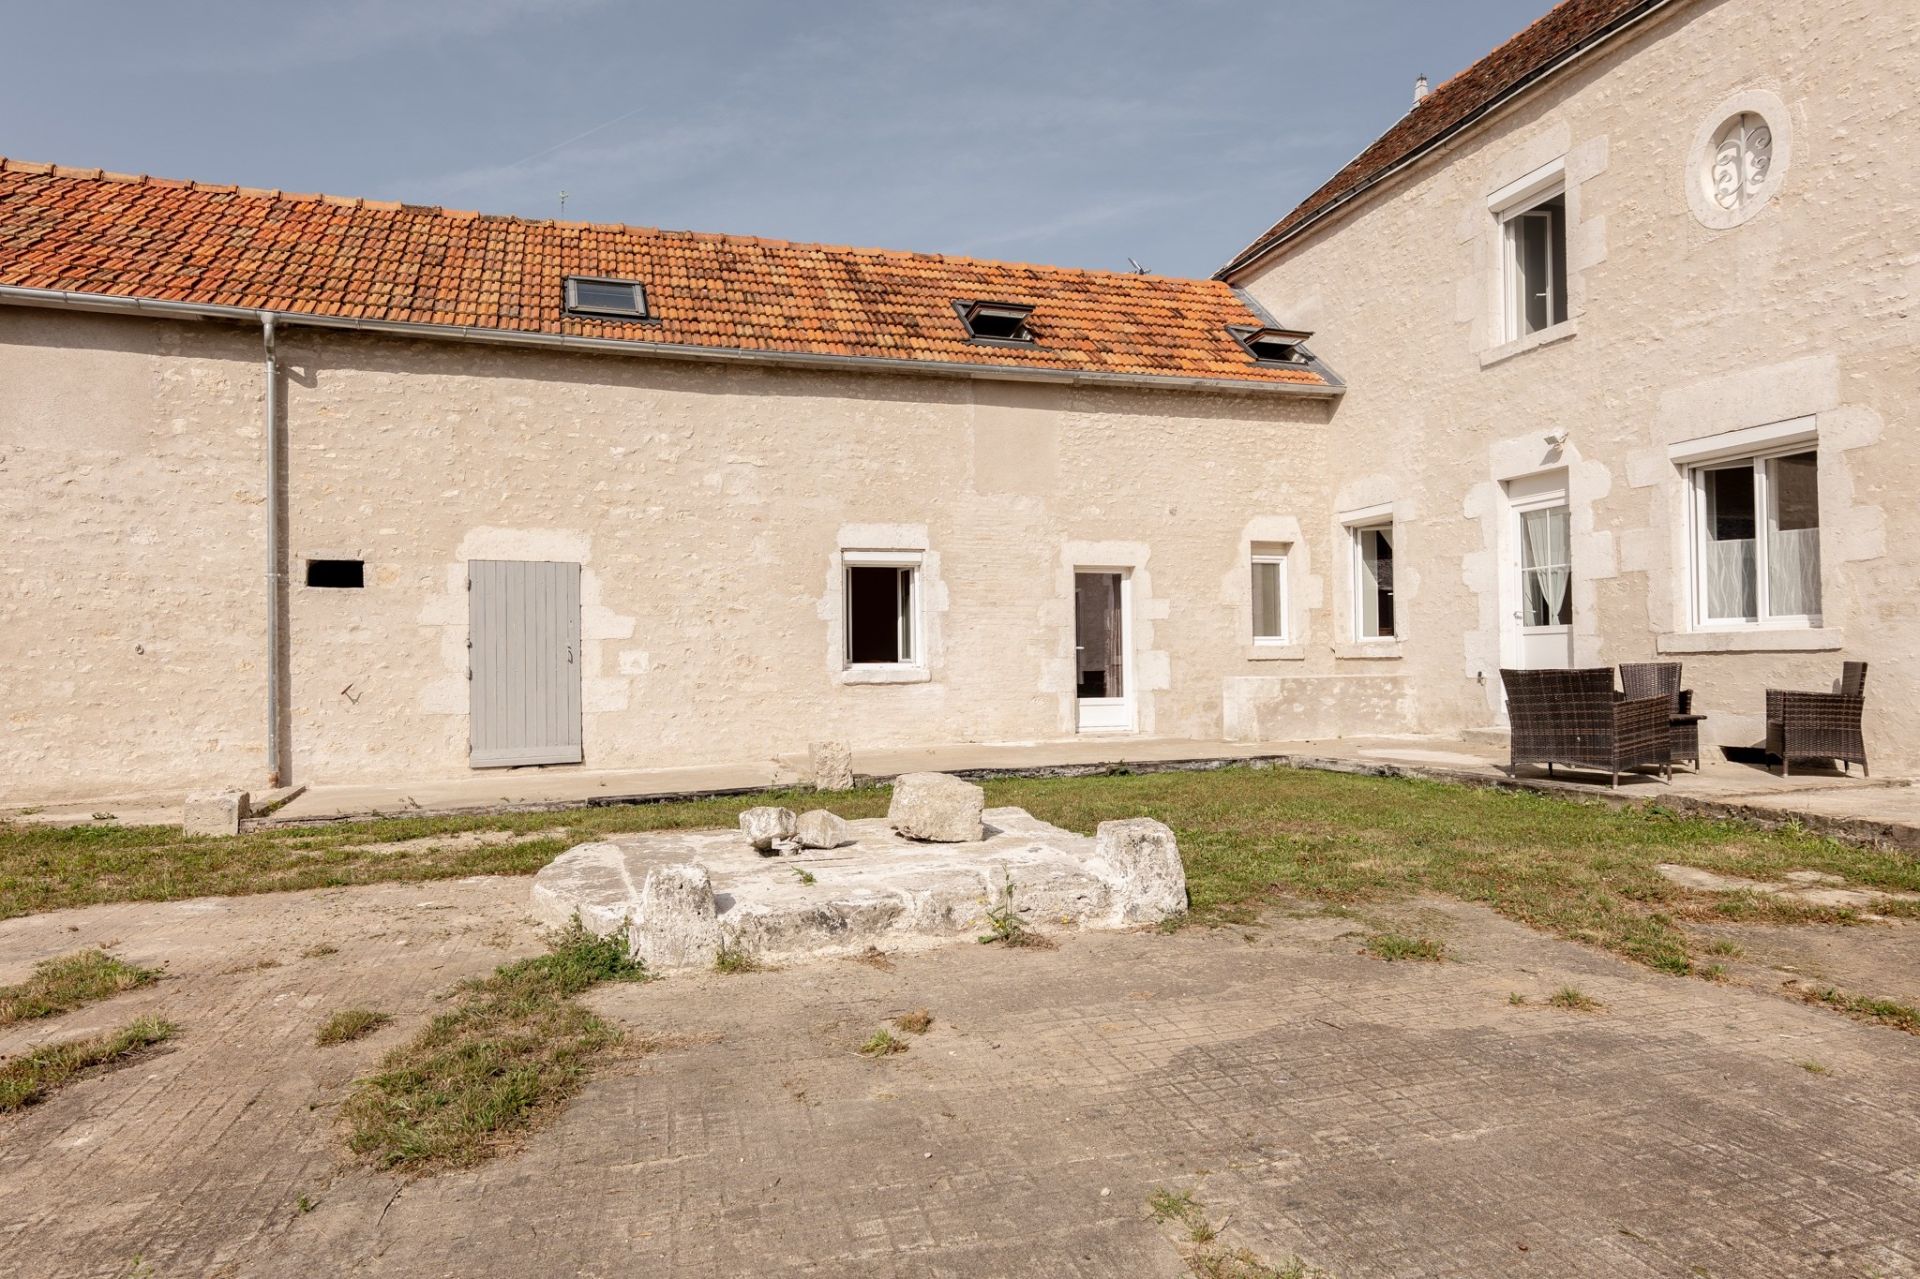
(1278, 558)
(1357, 526)
(1766, 513)
(912, 629)
(1509, 204)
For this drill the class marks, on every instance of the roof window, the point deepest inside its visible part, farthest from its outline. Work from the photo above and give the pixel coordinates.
(997, 322)
(1271, 346)
(606, 299)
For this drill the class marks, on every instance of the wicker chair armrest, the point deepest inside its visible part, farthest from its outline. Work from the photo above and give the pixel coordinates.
(1684, 702)
(1773, 704)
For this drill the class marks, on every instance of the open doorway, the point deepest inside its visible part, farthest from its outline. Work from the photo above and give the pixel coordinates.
(1103, 642)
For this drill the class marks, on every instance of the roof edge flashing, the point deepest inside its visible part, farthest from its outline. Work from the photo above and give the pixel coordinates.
(160, 309)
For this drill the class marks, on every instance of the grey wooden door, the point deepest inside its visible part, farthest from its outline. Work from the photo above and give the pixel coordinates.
(523, 662)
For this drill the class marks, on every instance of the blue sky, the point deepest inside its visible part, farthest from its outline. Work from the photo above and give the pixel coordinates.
(1074, 133)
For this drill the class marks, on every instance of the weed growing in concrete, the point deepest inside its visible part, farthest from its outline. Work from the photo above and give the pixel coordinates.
(1861, 1007)
(917, 1022)
(1174, 1205)
(1726, 948)
(29, 1078)
(1394, 946)
(1572, 1000)
(319, 952)
(304, 1205)
(1813, 1067)
(803, 875)
(1206, 1259)
(71, 981)
(350, 1024)
(513, 1047)
(882, 1043)
(1003, 921)
(1517, 999)
(732, 959)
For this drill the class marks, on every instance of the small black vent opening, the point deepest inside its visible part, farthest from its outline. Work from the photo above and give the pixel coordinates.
(337, 575)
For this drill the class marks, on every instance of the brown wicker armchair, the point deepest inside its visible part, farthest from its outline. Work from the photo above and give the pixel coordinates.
(1820, 725)
(1575, 717)
(1662, 679)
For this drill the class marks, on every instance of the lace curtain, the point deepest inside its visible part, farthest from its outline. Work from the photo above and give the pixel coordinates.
(1548, 570)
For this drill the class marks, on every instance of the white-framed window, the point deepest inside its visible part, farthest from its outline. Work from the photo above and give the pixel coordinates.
(1269, 593)
(882, 608)
(1756, 539)
(1373, 611)
(1533, 240)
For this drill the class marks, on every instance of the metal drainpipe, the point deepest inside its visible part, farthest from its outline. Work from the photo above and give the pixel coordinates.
(274, 574)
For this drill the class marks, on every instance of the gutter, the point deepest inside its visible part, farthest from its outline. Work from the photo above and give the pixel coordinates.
(276, 574)
(1620, 26)
(157, 308)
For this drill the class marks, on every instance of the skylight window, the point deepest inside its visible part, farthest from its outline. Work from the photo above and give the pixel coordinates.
(606, 299)
(999, 322)
(1271, 346)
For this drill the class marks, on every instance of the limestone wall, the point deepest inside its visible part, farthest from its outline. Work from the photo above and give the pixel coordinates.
(706, 505)
(1684, 325)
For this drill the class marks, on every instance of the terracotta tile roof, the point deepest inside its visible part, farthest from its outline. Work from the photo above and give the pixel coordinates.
(91, 232)
(1458, 103)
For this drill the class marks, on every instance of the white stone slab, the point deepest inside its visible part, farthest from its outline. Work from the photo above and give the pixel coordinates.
(881, 890)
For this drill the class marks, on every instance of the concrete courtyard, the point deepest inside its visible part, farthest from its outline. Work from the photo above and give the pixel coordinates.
(1370, 1118)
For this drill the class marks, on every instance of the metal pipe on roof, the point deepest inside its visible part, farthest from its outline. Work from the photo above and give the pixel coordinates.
(276, 575)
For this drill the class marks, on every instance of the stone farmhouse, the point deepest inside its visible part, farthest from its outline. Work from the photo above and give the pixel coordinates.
(1606, 351)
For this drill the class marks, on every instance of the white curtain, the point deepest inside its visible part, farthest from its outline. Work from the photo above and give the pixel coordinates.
(1793, 571)
(1732, 579)
(1548, 562)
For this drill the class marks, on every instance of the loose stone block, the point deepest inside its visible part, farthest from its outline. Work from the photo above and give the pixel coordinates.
(1140, 862)
(831, 764)
(821, 829)
(215, 812)
(937, 808)
(762, 826)
(678, 925)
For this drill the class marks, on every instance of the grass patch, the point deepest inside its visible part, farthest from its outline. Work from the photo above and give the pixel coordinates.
(1813, 1067)
(29, 1078)
(1250, 837)
(513, 1048)
(732, 959)
(1573, 1001)
(68, 982)
(1885, 1011)
(348, 1025)
(804, 875)
(917, 1022)
(52, 867)
(883, 1043)
(1394, 946)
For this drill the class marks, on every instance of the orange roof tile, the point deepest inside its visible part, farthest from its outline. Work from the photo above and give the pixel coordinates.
(1567, 28)
(86, 232)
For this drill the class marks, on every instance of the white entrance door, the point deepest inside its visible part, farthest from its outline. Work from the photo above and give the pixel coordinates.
(1103, 650)
(1544, 619)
